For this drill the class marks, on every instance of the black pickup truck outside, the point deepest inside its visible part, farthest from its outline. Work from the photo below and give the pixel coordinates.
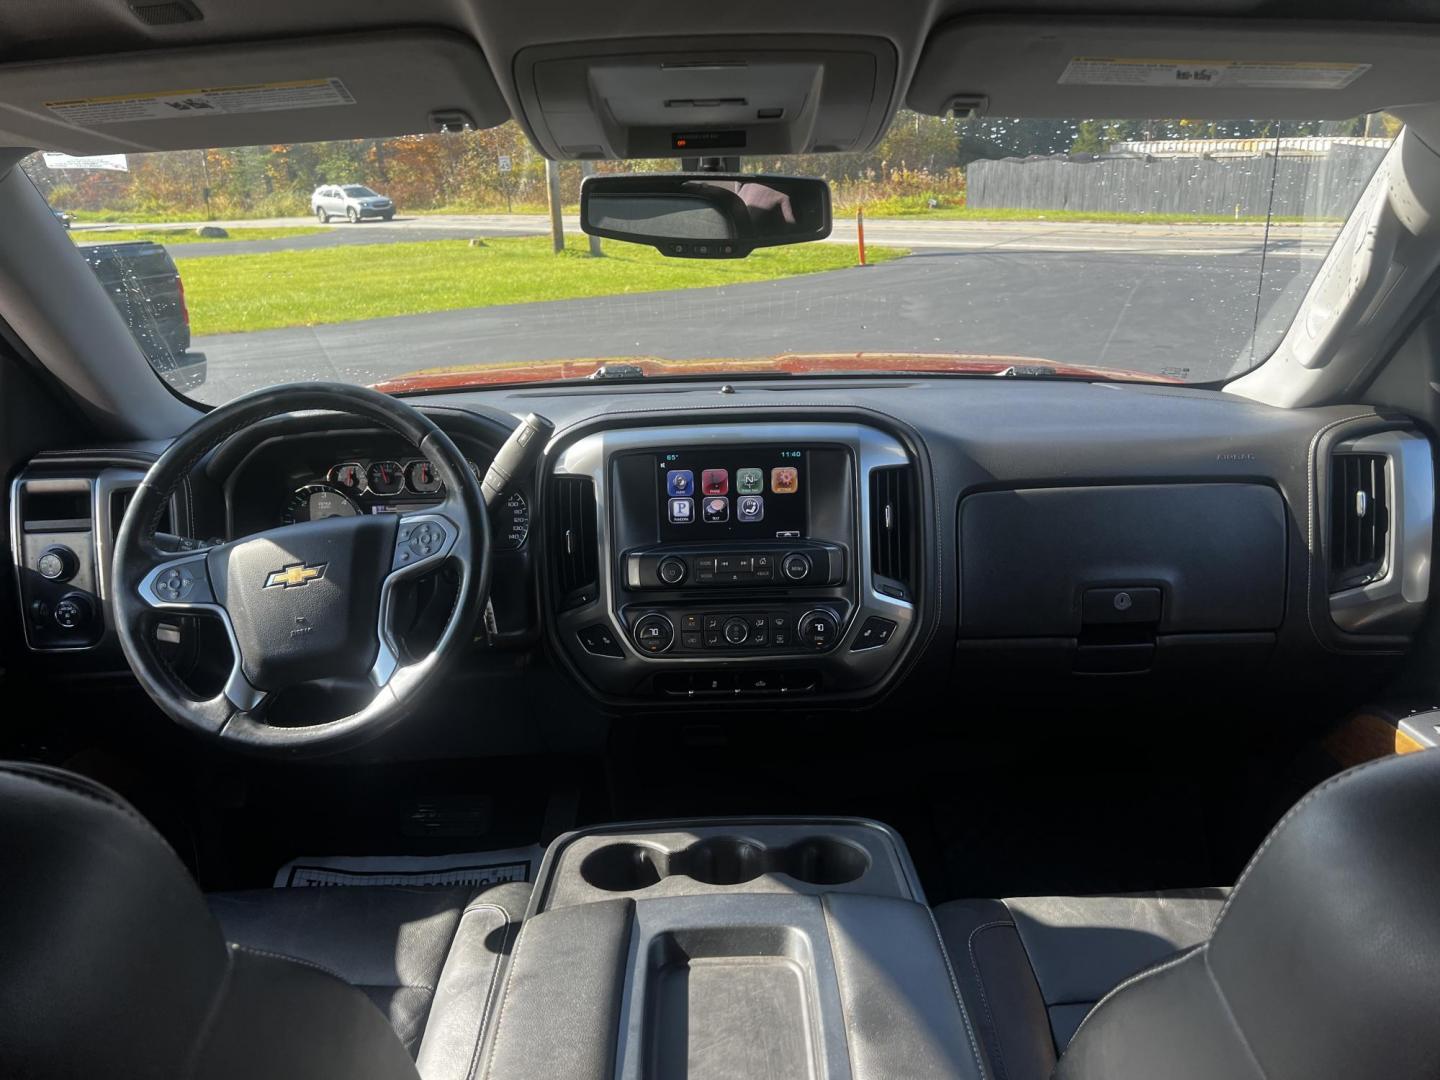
(144, 284)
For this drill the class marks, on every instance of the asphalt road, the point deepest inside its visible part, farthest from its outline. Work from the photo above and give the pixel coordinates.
(1176, 306)
(1237, 239)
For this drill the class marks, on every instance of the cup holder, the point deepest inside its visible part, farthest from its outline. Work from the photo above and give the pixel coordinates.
(824, 860)
(721, 860)
(724, 860)
(624, 867)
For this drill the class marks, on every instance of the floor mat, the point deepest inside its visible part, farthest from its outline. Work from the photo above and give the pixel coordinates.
(472, 868)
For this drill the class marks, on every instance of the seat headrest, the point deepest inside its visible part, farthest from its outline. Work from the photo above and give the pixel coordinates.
(1328, 952)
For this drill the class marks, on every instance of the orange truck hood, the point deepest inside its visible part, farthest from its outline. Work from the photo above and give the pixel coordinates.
(470, 375)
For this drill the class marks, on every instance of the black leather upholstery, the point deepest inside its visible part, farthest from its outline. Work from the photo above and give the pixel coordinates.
(1031, 967)
(1323, 965)
(110, 964)
(394, 944)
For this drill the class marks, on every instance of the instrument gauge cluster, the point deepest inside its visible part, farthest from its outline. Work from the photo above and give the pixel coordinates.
(388, 485)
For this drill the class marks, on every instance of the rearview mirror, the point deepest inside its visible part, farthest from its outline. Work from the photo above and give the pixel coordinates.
(705, 215)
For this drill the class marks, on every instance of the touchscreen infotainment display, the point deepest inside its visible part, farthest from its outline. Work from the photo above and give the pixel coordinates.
(728, 493)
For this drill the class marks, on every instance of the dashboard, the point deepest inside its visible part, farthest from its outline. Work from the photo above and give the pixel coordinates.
(830, 543)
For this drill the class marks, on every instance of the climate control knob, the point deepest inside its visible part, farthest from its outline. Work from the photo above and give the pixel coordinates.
(654, 633)
(796, 567)
(819, 629)
(671, 570)
(736, 630)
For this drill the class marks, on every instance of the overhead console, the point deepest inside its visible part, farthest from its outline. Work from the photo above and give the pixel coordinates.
(676, 98)
(735, 561)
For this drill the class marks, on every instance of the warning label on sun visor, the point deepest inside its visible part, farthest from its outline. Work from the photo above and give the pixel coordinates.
(1227, 74)
(210, 101)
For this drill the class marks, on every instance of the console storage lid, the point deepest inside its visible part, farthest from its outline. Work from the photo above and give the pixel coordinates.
(738, 967)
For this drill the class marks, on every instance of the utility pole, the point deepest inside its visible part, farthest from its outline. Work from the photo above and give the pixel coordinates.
(587, 168)
(552, 187)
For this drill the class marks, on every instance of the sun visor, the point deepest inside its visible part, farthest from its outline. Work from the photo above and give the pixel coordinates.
(300, 90)
(725, 97)
(1198, 68)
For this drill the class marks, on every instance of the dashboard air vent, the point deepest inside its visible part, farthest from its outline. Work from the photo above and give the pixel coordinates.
(573, 540)
(892, 530)
(1359, 519)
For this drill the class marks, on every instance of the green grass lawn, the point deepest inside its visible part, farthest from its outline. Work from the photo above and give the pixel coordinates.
(232, 293)
(189, 236)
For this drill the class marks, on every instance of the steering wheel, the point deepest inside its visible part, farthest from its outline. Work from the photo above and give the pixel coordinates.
(302, 602)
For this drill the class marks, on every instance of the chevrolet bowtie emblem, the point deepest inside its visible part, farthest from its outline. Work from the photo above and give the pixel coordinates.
(294, 575)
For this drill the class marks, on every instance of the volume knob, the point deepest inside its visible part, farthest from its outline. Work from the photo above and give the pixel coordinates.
(671, 570)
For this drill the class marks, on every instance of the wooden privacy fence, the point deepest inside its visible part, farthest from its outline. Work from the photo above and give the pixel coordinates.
(1311, 186)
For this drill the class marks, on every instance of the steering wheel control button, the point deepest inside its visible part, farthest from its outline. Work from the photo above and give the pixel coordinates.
(672, 570)
(427, 539)
(874, 633)
(796, 567)
(819, 629)
(57, 563)
(1134, 605)
(598, 641)
(72, 612)
(654, 633)
(175, 584)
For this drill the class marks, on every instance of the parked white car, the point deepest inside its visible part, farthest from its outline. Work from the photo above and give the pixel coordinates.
(351, 201)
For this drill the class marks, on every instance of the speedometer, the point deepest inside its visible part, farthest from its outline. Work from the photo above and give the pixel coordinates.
(316, 501)
(512, 523)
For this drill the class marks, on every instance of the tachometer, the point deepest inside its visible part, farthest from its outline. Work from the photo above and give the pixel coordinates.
(512, 523)
(316, 501)
(421, 478)
(348, 476)
(385, 477)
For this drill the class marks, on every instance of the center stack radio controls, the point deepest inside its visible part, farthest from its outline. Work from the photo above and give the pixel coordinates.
(800, 563)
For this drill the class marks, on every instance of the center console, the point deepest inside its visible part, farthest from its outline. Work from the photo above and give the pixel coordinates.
(719, 949)
(734, 561)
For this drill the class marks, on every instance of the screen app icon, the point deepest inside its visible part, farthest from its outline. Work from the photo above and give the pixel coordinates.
(680, 482)
(785, 480)
(749, 481)
(682, 511)
(716, 509)
(750, 508)
(714, 482)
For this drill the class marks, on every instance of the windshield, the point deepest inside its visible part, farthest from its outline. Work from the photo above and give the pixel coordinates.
(1170, 250)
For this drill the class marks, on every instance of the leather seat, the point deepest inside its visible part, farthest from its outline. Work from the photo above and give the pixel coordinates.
(425, 956)
(112, 964)
(1030, 968)
(1323, 963)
